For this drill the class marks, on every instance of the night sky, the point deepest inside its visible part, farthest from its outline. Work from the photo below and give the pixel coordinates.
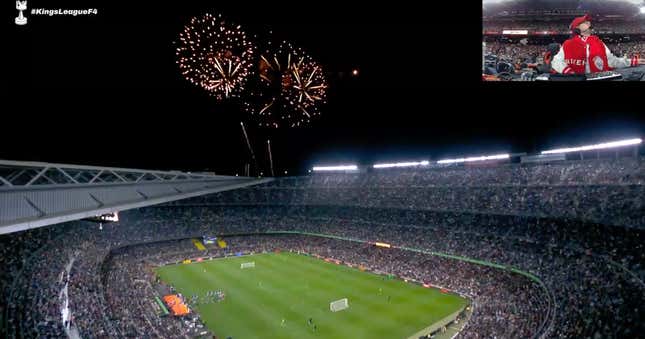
(105, 90)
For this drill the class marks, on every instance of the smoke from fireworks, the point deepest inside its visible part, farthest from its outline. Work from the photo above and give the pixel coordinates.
(291, 89)
(215, 56)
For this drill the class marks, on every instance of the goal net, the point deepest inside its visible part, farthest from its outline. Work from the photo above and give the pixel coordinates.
(339, 305)
(247, 264)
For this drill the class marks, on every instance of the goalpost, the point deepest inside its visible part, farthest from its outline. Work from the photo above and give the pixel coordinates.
(339, 305)
(247, 265)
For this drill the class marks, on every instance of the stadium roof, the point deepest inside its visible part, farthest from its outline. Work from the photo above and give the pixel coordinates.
(36, 194)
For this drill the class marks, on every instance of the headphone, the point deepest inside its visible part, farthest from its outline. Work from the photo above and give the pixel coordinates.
(576, 30)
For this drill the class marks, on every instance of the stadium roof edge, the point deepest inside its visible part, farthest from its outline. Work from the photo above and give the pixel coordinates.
(36, 194)
(36, 164)
(71, 215)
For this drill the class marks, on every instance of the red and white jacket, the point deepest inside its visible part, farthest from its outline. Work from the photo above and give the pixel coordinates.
(580, 55)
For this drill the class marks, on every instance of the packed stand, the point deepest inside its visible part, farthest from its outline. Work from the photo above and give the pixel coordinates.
(629, 27)
(610, 192)
(577, 226)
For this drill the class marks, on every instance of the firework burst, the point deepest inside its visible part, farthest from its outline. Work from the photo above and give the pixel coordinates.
(215, 55)
(292, 88)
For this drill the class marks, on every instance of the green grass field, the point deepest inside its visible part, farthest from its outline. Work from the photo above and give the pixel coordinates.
(295, 288)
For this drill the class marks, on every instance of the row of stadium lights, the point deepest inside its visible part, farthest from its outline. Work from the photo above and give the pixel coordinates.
(613, 144)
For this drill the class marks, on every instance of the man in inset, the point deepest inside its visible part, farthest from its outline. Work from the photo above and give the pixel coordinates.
(586, 53)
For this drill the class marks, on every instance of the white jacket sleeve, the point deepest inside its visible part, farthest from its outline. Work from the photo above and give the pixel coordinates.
(558, 63)
(616, 62)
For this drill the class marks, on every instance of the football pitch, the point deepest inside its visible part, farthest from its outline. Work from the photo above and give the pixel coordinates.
(277, 297)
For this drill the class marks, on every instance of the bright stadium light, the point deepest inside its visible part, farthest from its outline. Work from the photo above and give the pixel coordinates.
(643, 10)
(469, 159)
(335, 168)
(605, 145)
(403, 164)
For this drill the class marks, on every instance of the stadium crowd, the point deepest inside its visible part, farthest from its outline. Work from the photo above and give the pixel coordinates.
(494, 306)
(622, 49)
(592, 190)
(135, 308)
(577, 226)
(562, 27)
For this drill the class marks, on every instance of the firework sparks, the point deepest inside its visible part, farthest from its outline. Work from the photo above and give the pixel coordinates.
(292, 88)
(215, 56)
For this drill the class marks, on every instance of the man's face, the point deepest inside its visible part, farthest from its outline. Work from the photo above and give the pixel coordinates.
(583, 27)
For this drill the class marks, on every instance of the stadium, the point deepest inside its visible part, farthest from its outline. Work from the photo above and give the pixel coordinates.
(521, 38)
(517, 246)
(233, 171)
